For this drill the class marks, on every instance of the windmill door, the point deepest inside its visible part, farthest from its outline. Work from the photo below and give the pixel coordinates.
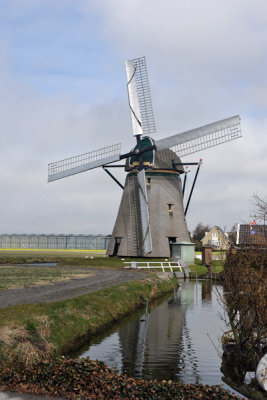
(171, 241)
(117, 245)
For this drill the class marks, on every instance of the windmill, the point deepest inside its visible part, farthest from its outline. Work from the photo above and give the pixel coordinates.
(151, 214)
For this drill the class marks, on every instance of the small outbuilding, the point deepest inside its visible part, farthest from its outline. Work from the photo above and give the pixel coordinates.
(217, 239)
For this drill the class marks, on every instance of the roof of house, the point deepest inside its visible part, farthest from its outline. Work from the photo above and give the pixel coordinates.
(251, 234)
(220, 230)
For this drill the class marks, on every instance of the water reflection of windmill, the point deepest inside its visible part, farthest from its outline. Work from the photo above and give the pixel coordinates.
(133, 344)
(162, 342)
(151, 213)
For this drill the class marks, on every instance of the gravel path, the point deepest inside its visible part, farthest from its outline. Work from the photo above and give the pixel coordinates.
(100, 278)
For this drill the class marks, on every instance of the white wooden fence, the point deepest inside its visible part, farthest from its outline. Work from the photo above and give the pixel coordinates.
(152, 265)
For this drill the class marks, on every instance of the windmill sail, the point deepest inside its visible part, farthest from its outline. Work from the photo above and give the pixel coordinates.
(203, 137)
(83, 162)
(139, 97)
(133, 99)
(147, 242)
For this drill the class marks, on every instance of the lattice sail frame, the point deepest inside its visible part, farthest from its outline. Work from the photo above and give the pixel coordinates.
(210, 140)
(144, 96)
(202, 138)
(83, 162)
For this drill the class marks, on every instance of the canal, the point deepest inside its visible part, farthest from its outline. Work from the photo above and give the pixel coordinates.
(177, 339)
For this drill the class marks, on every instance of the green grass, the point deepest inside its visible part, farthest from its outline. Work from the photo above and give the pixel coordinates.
(22, 256)
(199, 269)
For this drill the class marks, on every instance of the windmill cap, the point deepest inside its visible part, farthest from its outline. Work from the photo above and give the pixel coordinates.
(161, 159)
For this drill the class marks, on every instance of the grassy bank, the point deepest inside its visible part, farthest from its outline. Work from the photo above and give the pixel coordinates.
(29, 333)
(32, 338)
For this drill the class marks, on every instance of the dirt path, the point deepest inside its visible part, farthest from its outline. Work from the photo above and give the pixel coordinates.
(100, 279)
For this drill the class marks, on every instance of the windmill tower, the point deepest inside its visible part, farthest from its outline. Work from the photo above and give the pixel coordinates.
(151, 214)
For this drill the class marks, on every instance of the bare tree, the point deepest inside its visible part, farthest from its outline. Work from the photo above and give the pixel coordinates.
(200, 230)
(198, 234)
(245, 303)
(245, 299)
(259, 209)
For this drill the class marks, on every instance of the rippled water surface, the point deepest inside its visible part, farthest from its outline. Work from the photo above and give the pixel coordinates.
(178, 339)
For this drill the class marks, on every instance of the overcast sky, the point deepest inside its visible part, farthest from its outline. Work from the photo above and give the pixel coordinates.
(63, 92)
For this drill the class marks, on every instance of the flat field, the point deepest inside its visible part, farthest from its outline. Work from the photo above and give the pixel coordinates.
(16, 277)
(69, 258)
(49, 253)
(85, 258)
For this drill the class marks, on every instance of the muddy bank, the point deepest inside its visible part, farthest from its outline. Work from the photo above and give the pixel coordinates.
(87, 379)
(25, 396)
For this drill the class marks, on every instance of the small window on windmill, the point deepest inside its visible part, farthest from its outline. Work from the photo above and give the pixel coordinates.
(170, 208)
(148, 181)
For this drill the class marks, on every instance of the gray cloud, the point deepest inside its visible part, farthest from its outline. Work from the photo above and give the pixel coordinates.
(206, 61)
